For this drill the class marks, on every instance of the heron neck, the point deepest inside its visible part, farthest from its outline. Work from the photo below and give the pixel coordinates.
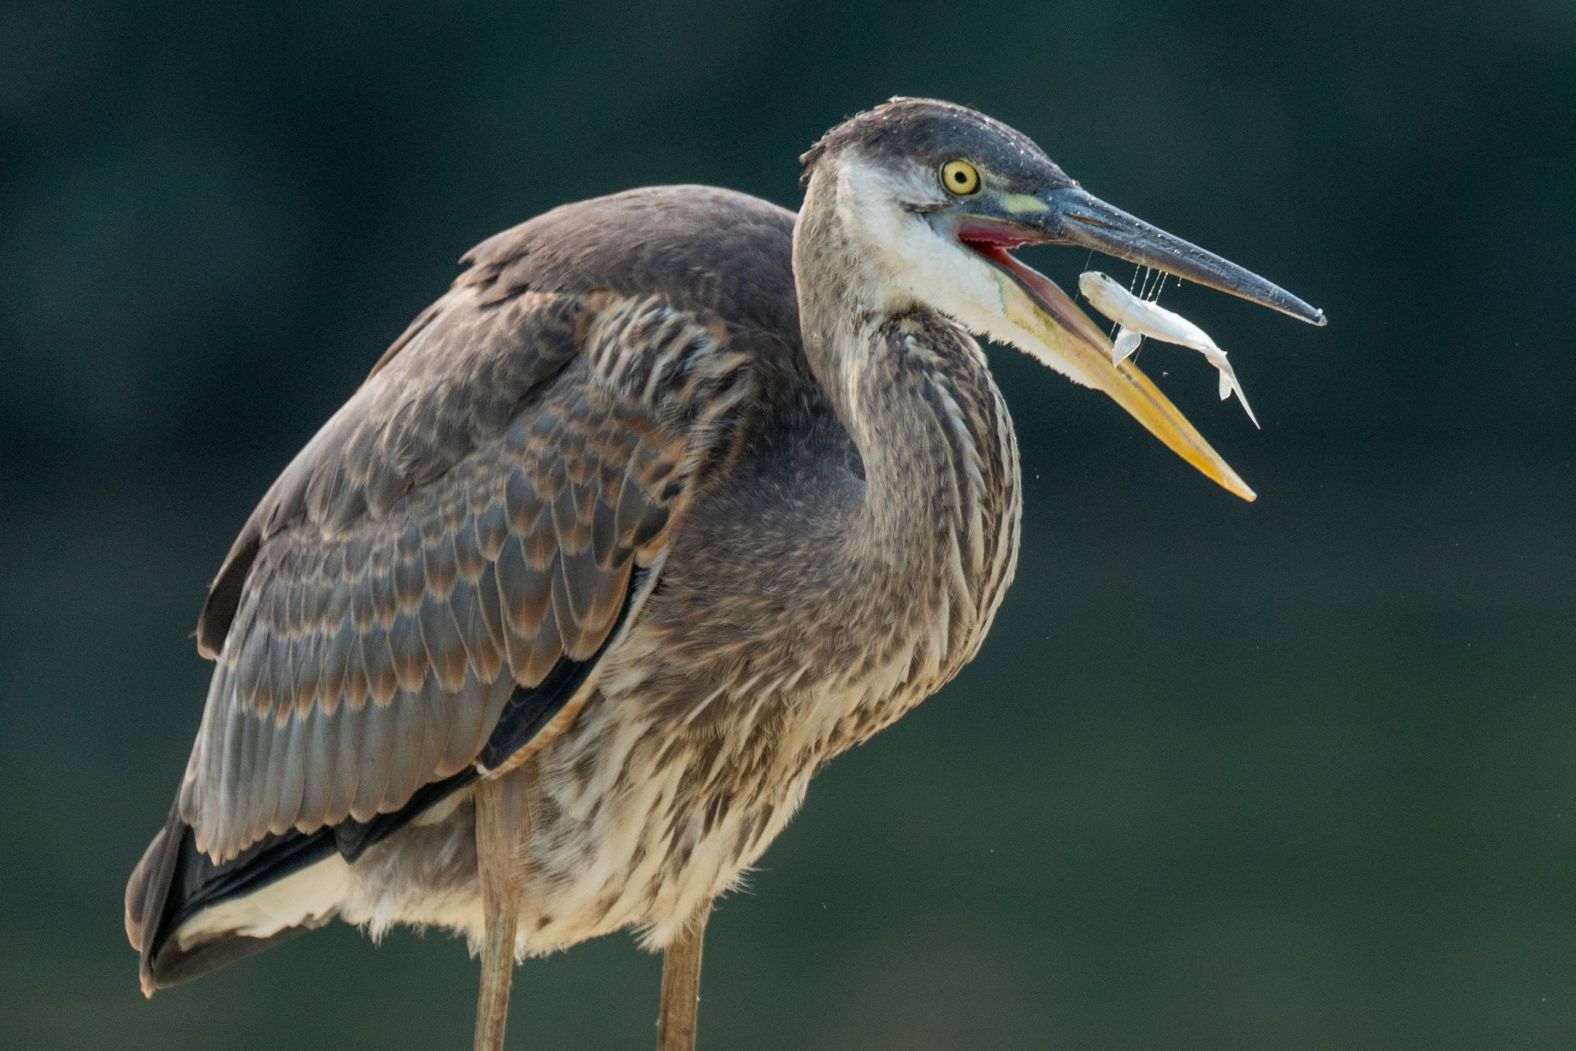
(941, 496)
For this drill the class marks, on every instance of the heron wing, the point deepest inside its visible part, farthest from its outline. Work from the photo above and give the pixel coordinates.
(468, 523)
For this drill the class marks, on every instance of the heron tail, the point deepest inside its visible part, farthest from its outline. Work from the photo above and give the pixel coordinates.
(186, 915)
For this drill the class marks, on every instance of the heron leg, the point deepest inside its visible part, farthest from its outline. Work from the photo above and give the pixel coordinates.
(502, 822)
(681, 985)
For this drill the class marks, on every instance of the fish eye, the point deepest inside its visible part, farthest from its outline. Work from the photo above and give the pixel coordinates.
(960, 178)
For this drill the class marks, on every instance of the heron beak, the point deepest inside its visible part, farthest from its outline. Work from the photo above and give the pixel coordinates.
(1040, 319)
(1078, 218)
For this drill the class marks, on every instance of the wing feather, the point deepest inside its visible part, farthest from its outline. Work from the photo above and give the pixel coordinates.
(474, 513)
(292, 775)
(321, 771)
(351, 730)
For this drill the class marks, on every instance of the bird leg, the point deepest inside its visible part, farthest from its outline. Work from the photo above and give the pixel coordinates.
(681, 985)
(502, 824)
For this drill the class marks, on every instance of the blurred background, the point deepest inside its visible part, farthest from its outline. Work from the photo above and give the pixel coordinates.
(1291, 774)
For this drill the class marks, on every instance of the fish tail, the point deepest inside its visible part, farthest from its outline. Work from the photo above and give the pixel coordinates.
(1229, 384)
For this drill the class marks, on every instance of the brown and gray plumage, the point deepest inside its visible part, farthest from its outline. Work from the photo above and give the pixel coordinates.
(670, 499)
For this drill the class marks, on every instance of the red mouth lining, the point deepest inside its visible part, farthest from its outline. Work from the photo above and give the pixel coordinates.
(993, 244)
(982, 237)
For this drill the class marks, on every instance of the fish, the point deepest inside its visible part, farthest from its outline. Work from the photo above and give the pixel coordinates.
(1137, 318)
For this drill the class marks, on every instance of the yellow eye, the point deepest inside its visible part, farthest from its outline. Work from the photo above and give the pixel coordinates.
(960, 178)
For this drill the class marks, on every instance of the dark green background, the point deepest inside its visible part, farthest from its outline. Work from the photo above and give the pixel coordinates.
(1291, 774)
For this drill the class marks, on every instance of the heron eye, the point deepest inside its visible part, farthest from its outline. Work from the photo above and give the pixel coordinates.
(960, 178)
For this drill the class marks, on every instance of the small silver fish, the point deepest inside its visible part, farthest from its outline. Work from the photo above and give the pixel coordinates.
(1139, 317)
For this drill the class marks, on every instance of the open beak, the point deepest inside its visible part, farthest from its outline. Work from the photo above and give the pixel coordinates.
(1041, 319)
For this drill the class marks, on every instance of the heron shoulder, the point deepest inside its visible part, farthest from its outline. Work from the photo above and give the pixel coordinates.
(518, 315)
(702, 247)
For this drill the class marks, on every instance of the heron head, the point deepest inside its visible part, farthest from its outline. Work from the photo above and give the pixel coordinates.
(934, 197)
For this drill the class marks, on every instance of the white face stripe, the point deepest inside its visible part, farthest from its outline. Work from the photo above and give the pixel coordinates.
(912, 261)
(907, 260)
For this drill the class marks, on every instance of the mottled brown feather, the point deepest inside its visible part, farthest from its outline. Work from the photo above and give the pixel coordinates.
(468, 520)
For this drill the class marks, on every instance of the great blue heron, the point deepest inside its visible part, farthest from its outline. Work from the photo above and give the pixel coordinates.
(670, 499)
